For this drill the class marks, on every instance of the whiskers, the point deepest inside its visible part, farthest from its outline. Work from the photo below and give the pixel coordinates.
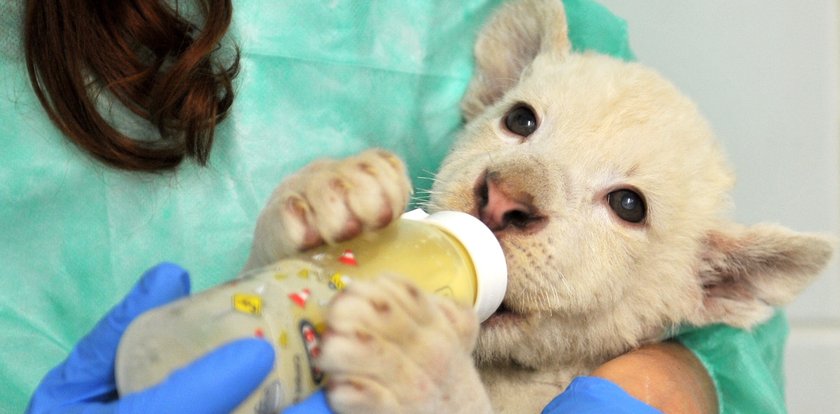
(421, 196)
(425, 197)
(539, 295)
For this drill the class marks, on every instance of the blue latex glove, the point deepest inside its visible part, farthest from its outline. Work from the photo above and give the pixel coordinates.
(593, 395)
(215, 383)
(585, 395)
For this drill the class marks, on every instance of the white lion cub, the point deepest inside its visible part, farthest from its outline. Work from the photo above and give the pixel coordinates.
(607, 192)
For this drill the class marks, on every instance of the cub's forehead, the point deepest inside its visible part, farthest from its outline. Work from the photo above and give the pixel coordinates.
(593, 98)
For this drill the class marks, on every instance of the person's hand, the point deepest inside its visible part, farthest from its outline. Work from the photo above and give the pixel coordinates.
(594, 395)
(215, 383)
(665, 375)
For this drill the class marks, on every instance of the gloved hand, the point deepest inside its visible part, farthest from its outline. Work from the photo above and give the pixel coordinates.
(593, 395)
(215, 383)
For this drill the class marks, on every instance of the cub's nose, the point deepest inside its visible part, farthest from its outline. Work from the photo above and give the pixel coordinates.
(501, 205)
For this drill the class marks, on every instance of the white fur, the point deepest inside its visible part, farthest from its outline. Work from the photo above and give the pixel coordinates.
(585, 286)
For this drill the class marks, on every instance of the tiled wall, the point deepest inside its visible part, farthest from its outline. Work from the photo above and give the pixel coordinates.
(765, 72)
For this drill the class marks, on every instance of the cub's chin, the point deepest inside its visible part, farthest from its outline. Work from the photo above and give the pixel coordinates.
(503, 317)
(503, 340)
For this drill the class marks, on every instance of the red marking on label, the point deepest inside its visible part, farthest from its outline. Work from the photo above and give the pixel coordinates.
(312, 344)
(309, 335)
(348, 258)
(259, 333)
(300, 298)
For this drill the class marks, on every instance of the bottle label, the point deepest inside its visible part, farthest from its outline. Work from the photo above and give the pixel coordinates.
(312, 344)
(247, 303)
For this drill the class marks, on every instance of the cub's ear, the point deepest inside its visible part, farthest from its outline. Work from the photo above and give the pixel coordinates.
(746, 271)
(508, 43)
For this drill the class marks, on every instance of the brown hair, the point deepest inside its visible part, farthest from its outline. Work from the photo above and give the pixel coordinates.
(151, 59)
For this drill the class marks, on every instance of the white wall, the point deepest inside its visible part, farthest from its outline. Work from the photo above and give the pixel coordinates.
(765, 72)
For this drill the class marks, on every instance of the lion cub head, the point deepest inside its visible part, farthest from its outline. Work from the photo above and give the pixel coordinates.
(608, 192)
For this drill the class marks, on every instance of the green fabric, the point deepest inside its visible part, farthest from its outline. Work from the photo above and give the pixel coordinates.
(602, 32)
(747, 367)
(316, 81)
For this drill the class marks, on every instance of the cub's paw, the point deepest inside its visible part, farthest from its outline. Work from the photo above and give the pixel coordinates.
(391, 348)
(331, 200)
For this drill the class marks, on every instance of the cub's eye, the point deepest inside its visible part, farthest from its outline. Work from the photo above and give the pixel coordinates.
(628, 205)
(521, 120)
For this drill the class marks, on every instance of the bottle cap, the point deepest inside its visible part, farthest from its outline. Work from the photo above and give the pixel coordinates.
(484, 250)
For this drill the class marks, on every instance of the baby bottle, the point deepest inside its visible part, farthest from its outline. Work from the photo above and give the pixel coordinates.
(448, 253)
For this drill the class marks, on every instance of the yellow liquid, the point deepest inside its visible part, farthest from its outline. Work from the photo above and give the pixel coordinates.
(430, 257)
(284, 303)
